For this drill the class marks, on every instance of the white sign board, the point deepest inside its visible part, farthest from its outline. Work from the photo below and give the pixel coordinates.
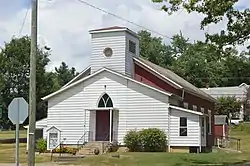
(18, 110)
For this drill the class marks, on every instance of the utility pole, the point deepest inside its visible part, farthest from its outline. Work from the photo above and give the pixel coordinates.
(32, 83)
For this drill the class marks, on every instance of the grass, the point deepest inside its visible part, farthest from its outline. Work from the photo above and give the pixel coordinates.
(174, 159)
(7, 154)
(162, 159)
(11, 134)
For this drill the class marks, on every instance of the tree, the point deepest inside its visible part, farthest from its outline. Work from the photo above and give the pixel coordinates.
(238, 20)
(227, 105)
(14, 78)
(64, 74)
(200, 65)
(247, 104)
(154, 50)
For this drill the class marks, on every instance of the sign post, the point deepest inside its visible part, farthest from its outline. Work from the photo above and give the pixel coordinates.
(17, 113)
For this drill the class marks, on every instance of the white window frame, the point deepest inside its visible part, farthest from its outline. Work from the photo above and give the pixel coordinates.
(185, 127)
(210, 122)
(54, 139)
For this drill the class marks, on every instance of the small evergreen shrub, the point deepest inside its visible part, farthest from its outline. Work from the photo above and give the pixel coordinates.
(153, 140)
(41, 145)
(132, 141)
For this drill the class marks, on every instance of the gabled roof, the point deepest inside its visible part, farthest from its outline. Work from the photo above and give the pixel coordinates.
(100, 71)
(42, 123)
(238, 91)
(53, 127)
(83, 74)
(173, 78)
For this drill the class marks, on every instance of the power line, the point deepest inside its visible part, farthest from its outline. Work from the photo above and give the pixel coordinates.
(24, 19)
(121, 18)
(221, 78)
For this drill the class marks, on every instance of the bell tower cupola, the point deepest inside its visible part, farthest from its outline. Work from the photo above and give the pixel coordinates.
(114, 48)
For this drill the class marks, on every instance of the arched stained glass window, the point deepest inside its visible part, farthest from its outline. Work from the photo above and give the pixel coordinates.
(105, 101)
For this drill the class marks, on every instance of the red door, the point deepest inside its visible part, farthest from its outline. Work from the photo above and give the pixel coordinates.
(102, 125)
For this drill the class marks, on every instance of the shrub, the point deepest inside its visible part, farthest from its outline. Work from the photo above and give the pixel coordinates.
(112, 147)
(147, 140)
(153, 140)
(132, 141)
(41, 145)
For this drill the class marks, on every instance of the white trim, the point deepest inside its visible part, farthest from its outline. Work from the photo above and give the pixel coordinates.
(186, 110)
(154, 71)
(96, 73)
(100, 108)
(114, 30)
(80, 74)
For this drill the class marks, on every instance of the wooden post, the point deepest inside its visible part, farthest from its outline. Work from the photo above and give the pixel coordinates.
(32, 85)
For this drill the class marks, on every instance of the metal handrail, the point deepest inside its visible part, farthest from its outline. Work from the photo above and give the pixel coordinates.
(106, 136)
(82, 137)
(52, 151)
(230, 138)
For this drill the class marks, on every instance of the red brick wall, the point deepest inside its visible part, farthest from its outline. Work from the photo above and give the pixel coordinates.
(148, 78)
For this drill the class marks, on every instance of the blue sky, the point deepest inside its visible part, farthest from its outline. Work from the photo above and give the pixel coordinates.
(64, 24)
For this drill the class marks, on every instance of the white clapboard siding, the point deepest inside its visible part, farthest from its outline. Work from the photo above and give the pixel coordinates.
(193, 128)
(129, 64)
(139, 107)
(114, 40)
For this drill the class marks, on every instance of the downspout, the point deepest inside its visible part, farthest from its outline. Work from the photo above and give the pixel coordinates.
(169, 118)
(183, 94)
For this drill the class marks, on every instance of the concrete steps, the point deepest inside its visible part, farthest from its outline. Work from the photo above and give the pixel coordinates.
(88, 148)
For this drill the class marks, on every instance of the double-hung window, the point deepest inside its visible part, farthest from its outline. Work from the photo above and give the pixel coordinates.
(183, 126)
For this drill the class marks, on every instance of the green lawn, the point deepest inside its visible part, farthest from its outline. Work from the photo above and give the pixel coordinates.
(172, 159)
(7, 154)
(163, 159)
(11, 134)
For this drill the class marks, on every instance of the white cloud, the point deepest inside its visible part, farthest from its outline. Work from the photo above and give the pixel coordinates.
(64, 25)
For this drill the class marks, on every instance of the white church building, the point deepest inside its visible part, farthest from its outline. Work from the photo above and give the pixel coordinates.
(119, 92)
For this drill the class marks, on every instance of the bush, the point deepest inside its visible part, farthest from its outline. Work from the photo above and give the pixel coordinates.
(65, 149)
(153, 140)
(41, 145)
(132, 141)
(147, 140)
